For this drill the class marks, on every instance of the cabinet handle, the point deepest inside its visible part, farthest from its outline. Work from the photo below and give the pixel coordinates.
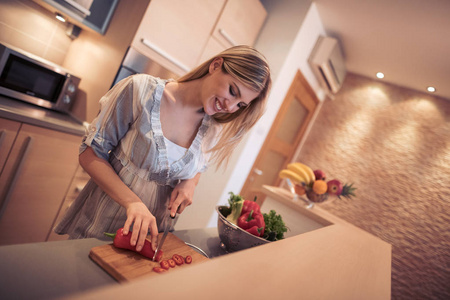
(165, 55)
(227, 37)
(23, 155)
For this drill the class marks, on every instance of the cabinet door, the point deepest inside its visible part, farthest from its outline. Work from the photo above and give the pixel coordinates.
(212, 48)
(8, 132)
(240, 22)
(174, 33)
(34, 182)
(79, 180)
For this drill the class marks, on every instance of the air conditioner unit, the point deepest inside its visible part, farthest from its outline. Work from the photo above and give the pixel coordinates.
(327, 62)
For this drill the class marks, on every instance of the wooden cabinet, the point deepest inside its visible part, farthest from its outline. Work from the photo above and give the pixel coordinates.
(181, 34)
(78, 182)
(240, 23)
(39, 166)
(174, 33)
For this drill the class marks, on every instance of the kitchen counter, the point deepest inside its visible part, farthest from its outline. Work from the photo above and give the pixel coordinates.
(337, 261)
(31, 114)
(56, 269)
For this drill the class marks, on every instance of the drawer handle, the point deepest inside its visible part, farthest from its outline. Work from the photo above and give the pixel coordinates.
(24, 153)
(164, 54)
(227, 37)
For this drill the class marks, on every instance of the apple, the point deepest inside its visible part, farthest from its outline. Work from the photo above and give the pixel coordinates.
(320, 175)
(334, 187)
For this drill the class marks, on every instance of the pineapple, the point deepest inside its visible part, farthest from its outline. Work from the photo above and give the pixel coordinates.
(348, 191)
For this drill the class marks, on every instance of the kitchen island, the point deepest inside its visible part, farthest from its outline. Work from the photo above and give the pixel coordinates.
(337, 261)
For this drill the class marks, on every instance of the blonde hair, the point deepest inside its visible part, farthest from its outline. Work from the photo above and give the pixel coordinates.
(250, 68)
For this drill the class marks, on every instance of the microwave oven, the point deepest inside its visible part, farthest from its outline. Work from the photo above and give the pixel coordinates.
(29, 78)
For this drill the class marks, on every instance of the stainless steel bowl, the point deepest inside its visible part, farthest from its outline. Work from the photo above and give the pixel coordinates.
(234, 238)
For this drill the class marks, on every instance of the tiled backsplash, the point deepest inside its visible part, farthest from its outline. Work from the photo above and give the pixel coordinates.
(394, 144)
(26, 25)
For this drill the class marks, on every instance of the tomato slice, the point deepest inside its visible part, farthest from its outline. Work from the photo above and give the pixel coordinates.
(178, 259)
(172, 263)
(165, 264)
(188, 259)
(159, 270)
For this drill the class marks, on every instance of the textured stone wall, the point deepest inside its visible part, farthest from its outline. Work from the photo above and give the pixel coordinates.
(394, 144)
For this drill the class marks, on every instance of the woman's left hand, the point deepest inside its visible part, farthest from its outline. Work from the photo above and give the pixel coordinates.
(182, 195)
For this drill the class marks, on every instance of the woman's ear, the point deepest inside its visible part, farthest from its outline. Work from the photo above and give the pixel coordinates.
(216, 64)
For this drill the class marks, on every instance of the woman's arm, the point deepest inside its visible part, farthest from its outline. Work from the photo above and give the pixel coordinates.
(106, 178)
(183, 194)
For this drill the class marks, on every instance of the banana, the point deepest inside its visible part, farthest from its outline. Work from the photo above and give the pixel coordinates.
(296, 178)
(307, 170)
(300, 171)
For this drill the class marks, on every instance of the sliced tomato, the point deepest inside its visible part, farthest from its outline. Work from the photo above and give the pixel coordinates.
(165, 264)
(172, 263)
(188, 259)
(159, 270)
(178, 259)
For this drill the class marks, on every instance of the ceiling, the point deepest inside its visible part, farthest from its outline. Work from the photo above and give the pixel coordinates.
(407, 40)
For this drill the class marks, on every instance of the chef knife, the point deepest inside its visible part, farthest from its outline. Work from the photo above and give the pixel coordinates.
(161, 242)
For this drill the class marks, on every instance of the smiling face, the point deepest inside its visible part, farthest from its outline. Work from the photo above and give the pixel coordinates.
(222, 93)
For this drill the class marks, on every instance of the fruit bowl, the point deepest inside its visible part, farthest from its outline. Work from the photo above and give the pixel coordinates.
(232, 237)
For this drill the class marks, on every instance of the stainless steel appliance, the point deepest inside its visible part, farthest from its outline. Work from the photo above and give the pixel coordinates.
(29, 78)
(135, 62)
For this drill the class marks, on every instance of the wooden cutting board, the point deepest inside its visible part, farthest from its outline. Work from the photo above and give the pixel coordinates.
(126, 265)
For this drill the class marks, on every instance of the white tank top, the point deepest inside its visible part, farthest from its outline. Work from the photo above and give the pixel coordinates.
(174, 151)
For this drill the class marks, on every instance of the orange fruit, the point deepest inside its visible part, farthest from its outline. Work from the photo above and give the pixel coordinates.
(299, 190)
(320, 187)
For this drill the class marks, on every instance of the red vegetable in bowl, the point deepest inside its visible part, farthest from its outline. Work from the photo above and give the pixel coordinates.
(249, 206)
(252, 222)
(123, 242)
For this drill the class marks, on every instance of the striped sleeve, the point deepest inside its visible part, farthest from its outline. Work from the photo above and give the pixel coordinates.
(117, 112)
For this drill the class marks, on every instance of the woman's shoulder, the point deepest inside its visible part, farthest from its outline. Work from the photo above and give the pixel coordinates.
(147, 87)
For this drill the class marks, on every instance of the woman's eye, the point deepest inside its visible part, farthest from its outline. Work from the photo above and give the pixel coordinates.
(242, 105)
(232, 91)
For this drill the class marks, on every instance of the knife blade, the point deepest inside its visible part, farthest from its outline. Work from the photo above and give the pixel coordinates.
(161, 242)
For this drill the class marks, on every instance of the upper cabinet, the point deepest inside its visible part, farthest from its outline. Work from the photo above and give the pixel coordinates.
(88, 14)
(240, 22)
(180, 34)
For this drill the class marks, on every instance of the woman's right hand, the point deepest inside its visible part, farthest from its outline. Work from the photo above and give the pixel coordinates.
(143, 221)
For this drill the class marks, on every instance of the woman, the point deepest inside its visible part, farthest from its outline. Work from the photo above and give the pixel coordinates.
(153, 138)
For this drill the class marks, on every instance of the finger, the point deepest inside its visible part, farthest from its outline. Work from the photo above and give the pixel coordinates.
(142, 235)
(153, 234)
(173, 197)
(176, 207)
(126, 226)
(135, 232)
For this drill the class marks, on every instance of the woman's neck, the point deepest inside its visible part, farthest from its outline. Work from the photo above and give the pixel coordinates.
(186, 95)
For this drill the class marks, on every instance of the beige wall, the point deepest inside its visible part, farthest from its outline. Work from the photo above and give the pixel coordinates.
(28, 26)
(394, 144)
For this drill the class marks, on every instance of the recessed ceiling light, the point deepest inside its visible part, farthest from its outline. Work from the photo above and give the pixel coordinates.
(380, 75)
(431, 89)
(60, 17)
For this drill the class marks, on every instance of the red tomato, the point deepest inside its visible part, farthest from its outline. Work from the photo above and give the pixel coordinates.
(178, 259)
(188, 259)
(172, 263)
(165, 264)
(159, 270)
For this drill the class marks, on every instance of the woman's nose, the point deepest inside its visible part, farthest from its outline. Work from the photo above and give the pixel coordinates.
(231, 105)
